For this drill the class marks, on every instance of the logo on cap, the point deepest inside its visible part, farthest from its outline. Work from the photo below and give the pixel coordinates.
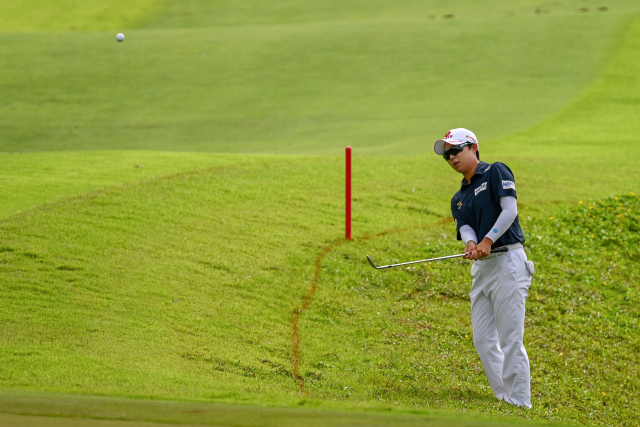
(448, 135)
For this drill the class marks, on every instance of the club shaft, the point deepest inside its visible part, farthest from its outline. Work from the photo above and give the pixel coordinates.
(422, 260)
(494, 251)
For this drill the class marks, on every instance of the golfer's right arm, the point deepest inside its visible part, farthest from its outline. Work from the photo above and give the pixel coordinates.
(509, 205)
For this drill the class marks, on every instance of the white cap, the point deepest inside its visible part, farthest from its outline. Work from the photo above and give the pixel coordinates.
(455, 137)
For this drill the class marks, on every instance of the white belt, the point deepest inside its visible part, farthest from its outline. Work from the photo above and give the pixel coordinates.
(514, 246)
(530, 266)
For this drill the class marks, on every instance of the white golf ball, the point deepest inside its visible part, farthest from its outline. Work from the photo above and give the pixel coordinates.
(120, 37)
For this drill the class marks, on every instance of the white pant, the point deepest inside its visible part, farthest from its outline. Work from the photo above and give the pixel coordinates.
(498, 294)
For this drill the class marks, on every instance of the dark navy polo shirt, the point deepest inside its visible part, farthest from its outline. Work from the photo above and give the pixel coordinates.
(477, 204)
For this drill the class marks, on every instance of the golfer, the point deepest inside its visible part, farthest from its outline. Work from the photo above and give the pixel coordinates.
(486, 214)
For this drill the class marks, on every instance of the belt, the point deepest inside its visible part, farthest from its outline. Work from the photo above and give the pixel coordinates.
(513, 246)
(510, 247)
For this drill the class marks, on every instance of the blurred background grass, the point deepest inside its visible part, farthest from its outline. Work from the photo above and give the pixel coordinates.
(72, 15)
(386, 77)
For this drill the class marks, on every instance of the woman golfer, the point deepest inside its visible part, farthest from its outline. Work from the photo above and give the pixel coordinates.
(486, 214)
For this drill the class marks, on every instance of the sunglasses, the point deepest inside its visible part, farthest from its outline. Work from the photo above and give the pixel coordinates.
(455, 149)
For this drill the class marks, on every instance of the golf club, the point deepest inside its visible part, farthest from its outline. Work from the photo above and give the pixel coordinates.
(373, 264)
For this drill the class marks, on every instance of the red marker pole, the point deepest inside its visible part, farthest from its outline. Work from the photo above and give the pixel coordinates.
(348, 193)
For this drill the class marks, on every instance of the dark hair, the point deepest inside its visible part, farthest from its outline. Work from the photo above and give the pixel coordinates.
(477, 152)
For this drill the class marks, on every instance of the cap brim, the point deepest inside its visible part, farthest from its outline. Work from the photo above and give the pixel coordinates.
(438, 146)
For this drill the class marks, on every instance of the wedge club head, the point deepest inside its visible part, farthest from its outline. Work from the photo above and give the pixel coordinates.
(373, 264)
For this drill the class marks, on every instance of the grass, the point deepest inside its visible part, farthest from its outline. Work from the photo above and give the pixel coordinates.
(302, 87)
(179, 280)
(94, 411)
(413, 340)
(31, 179)
(189, 266)
(587, 127)
(71, 15)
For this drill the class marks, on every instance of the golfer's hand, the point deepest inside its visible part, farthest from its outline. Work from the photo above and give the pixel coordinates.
(483, 249)
(470, 250)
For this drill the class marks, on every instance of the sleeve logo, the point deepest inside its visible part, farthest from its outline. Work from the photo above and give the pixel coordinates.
(508, 185)
(482, 188)
(459, 205)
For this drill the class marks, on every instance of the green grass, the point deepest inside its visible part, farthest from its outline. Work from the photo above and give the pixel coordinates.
(81, 411)
(385, 83)
(601, 118)
(412, 339)
(72, 15)
(177, 280)
(196, 13)
(30, 179)
(205, 269)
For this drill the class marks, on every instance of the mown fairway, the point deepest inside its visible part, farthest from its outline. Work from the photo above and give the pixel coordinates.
(379, 77)
(180, 275)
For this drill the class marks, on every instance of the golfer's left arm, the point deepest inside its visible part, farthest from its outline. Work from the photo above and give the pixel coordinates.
(509, 205)
(464, 231)
(469, 237)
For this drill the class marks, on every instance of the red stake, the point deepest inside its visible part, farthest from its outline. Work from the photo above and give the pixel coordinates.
(348, 193)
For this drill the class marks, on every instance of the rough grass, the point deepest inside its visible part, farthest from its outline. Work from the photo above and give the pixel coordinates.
(410, 340)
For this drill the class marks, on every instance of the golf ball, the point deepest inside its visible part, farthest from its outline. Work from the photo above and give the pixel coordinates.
(120, 37)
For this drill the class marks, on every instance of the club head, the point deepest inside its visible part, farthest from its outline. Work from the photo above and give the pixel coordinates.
(371, 262)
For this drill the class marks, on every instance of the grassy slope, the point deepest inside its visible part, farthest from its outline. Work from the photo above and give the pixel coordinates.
(583, 307)
(405, 336)
(58, 99)
(188, 266)
(68, 259)
(231, 243)
(155, 261)
(196, 13)
(30, 179)
(603, 116)
(71, 15)
(380, 82)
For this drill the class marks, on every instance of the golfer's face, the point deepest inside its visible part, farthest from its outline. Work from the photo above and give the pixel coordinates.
(463, 160)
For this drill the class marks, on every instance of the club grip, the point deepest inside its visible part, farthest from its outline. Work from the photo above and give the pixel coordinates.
(500, 249)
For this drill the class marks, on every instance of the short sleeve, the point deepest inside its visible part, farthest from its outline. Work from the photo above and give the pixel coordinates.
(457, 217)
(502, 181)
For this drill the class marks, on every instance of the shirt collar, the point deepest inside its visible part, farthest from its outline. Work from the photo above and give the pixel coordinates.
(480, 170)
